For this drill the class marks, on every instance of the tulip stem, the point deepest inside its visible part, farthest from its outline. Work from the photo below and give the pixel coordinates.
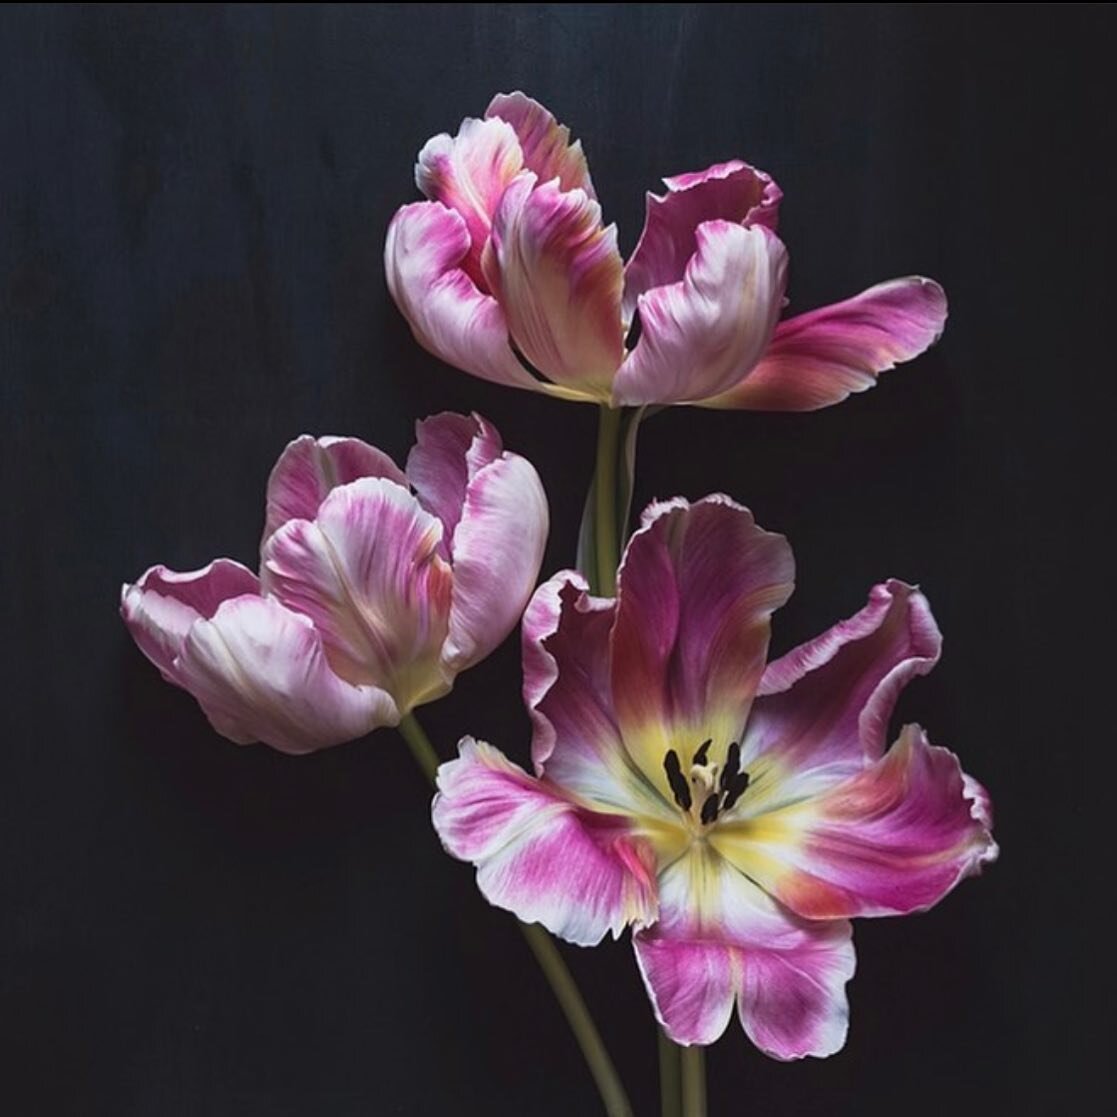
(550, 962)
(693, 1060)
(606, 551)
(670, 1080)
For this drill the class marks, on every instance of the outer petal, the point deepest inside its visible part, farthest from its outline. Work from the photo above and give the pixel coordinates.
(732, 191)
(545, 143)
(719, 938)
(701, 335)
(825, 706)
(469, 173)
(497, 551)
(448, 452)
(578, 873)
(368, 573)
(697, 587)
(891, 840)
(819, 358)
(310, 467)
(160, 608)
(557, 273)
(423, 257)
(259, 673)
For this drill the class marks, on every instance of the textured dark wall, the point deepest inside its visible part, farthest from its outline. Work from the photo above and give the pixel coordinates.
(192, 213)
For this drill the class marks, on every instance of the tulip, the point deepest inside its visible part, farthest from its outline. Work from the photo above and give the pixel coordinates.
(509, 272)
(735, 814)
(376, 588)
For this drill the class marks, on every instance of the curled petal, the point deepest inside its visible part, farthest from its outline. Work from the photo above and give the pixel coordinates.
(497, 551)
(697, 588)
(732, 191)
(368, 573)
(702, 334)
(819, 358)
(557, 274)
(545, 143)
(309, 468)
(160, 608)
(578, 873)
(449, 316)
(259, 673)
(468, 173)
(893, 839)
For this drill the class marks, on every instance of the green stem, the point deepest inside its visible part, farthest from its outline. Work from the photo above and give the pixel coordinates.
(670, 1076)
(550, 962)
(693, 1061)
(605, 495)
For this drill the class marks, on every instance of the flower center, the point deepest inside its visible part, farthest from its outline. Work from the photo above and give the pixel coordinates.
(708, 789)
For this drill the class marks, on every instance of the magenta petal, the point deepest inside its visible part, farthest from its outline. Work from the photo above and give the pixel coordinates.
(579, 874)
(497, 551)
(701, 335)
(449, 451)
(692, 985)
(310, 467)
(819, 358)
(160, 608)
(259, 673)
(449, 316)
(732, 191)
(545, 143)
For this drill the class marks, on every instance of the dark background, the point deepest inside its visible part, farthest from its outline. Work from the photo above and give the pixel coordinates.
(192, 214)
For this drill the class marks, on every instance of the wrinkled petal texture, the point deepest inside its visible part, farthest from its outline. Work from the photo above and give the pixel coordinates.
(557, 274)
(259, 672)
(449, 315)
(732, 191)
(701, 335)
(581, 875)
(819, 358)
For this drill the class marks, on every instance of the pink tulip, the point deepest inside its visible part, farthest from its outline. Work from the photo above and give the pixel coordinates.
(735, 813)
(376, 588)
(509, 273)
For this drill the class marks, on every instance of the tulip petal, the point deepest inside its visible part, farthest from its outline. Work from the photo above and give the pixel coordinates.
(697, 587)
(545, 143)
(578, 873)
(310, 467)
(259, 673)
(368, 573)
(732, 191)
(701, 335)
(160, 608)
(720, 938)
(469, 173)
(819, 358)
(557, 273)
(497, 551)
(449, 451)
(449, 316)
(893, 839)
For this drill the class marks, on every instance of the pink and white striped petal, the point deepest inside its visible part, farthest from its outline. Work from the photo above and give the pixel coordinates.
(259, 672)
(732, 191)
(817, 359)
(309, 468)
(580, 874)
(700, 335)
(556, 272)
(368, 574)
(424, 255)
(545, 143)
(160, 608)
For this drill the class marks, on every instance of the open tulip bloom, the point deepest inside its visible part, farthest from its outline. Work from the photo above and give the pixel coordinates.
(735, 815)
(376, 587)
(509, 273)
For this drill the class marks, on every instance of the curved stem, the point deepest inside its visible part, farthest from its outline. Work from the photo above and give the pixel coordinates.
(693, 1061)
(670, 1080)
(607, 552)
(550, 962)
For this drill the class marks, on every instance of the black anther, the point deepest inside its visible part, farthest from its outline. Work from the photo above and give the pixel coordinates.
(736, 789)
(679, 786)
(732, 765)
(703, 753)
(710, 808)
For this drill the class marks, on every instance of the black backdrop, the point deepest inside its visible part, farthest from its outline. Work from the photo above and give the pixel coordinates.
(193, 206)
